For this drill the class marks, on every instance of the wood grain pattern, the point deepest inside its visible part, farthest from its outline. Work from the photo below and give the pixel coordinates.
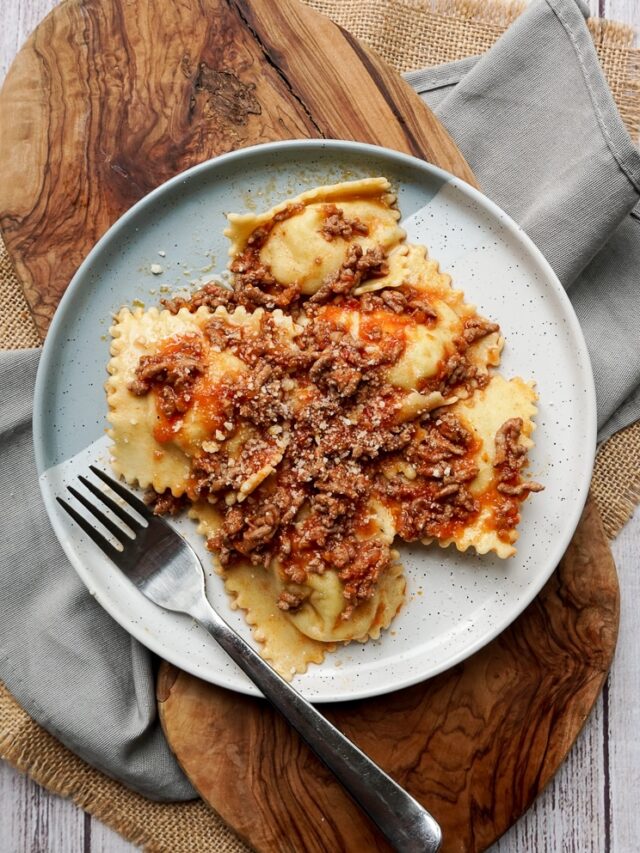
(567, 816)
(36, 823)
(354, 95)
(475, 744)
(112, 99)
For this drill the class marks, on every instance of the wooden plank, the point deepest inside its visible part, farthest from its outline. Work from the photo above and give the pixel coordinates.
(32, 819)
(122, 120)
(350, 93)
(569, 815)
(623, 707)
(627, 11)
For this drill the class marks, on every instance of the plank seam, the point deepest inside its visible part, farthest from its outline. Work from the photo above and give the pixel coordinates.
(606, 768)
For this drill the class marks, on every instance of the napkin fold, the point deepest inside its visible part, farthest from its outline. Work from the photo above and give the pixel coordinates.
(76, 671)
(536, 121)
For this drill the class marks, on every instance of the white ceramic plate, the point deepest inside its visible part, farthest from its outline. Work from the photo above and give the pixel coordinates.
(457, 602)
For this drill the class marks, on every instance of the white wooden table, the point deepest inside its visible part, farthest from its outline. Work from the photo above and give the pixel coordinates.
(593, 803)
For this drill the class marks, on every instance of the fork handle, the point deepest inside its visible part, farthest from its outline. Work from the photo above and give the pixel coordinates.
(402, 820)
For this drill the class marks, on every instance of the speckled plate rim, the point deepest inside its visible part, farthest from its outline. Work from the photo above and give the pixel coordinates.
(47, 364)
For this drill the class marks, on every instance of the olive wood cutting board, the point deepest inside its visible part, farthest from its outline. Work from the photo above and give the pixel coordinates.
(108, 99)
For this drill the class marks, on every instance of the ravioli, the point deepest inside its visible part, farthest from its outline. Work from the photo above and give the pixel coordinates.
(255, 591)
(337, 395)
(490, 523)
(137, 454)
(153, 449)
(425, 315)
(319, 616)
(293, 245)
(484, 413)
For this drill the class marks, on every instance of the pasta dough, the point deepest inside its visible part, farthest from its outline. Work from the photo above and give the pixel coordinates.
(341, 394)
(295, 248)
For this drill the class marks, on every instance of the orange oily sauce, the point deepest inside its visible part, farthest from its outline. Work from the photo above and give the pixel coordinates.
(207, 396)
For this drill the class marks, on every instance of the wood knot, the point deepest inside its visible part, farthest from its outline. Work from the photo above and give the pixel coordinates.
(224, 95)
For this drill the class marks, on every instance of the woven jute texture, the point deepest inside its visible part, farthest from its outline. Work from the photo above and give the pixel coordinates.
(407, 34)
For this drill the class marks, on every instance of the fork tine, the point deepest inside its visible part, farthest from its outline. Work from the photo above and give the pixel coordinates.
(91, 532)
(115, 508)
(125, 494)
(114, 529)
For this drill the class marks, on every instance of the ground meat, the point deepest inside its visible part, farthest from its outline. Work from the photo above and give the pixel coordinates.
(336, 225)
(430, 515)
(246, 530)
(341, 363)
(218, 333)
(290, 601)
(452, 430)
(249, 528)
(520, 488)
(510, 458)
(394, 300)
(254, 285)
(211, 473)
(457, 371)
(364, 441)
(405, 300)
(358, 265)
(340, 553)
(260, 398)
(463, 471)
(331, 370)
(172, 373)
(476, 328)
(257, 348)
(419, 307)
(361, 574)
(312, 429)
(165, 503)
(446, 491)
(507, 517)
(435, 447)
(212, 295)
(370, 302)
(344, 479)
(510, 454)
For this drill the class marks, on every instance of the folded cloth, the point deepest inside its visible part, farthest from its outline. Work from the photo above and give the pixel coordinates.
(77, 673)
(536, 121)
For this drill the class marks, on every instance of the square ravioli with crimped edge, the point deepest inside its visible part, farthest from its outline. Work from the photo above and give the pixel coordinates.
(335, 396)
(168, 388)
(291, 640)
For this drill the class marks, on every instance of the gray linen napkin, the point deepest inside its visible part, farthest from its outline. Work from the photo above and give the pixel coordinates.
(76, 672)
(536, 121)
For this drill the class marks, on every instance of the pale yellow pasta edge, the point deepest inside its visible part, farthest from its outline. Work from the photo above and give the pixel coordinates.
(242, 224)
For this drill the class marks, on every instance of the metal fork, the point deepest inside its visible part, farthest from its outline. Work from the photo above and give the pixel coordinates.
(165, 568)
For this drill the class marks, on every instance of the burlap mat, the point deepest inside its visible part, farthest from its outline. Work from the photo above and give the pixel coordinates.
(408, 34)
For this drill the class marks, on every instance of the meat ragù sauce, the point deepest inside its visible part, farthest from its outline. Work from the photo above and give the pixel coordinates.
(303, 445)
